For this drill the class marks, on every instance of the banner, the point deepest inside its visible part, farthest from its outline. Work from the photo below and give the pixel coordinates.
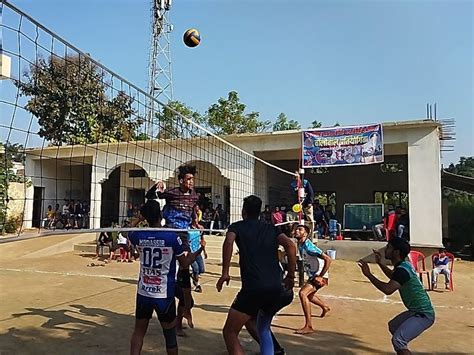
(342, 146)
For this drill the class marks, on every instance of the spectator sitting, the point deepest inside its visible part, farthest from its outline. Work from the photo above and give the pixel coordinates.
(222, 217)
(277, 216)
(207, 218)
(319, 220)
(104, 240)
(390, 222)
(291, 216)
(266, 215)
(49, 220)
(441, 266)
(123, 244)
(283, 212)
(403, 224)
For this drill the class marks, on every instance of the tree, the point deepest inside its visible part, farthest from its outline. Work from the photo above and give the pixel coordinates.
(68, 95)
(464, 167)
(461, 207)
(9, 153)
(316, 124)
(227, 117)
(283, 124)
(173, 125)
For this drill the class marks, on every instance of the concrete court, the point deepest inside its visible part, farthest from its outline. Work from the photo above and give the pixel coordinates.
(55, 304)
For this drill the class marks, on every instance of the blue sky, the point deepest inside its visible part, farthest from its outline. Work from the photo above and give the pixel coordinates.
(345, 61)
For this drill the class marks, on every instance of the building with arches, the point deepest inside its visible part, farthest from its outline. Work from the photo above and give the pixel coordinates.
(109, 176)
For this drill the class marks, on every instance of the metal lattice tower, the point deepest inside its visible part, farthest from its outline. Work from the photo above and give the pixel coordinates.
(160, 83)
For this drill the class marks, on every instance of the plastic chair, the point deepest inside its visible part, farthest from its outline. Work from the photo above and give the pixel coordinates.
(451, 266)
(390, 225)
(417, 259)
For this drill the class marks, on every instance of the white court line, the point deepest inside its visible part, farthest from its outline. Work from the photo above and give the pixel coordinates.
(211, 284)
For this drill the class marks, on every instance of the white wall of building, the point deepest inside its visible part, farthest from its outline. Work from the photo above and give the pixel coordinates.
(160, 159)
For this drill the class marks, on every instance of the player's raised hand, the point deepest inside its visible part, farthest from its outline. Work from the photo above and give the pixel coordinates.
(160, 186)
(220, 282)
(364, 267)
(378, 256)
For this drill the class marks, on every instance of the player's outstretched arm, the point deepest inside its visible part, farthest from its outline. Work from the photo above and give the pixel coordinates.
(290, 250)
(227, 248)
(386, 287)
(386, 270)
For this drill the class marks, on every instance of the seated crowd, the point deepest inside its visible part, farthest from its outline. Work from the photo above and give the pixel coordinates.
(72, 215)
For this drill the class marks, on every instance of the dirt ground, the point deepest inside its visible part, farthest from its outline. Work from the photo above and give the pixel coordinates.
(58, 305)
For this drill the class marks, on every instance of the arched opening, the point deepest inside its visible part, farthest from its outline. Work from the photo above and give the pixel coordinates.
(123, 193)
(209, 183)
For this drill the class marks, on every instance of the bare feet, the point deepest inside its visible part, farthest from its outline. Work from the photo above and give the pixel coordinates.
(305, 330)
(325, 310)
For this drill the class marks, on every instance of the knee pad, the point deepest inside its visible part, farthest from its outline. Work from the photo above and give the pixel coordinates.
(170, 338)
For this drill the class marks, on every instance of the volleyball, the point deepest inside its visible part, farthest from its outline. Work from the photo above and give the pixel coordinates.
(296, 208)
(191, 37)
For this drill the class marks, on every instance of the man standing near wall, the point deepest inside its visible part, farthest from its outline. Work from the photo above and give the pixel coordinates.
(308, 199)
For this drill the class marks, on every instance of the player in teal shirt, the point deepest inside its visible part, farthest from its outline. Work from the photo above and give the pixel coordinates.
(420, 314)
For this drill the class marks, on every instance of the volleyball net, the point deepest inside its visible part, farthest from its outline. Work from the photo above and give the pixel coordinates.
(80, 145)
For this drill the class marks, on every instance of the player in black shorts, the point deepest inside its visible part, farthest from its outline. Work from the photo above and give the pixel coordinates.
(159, 251)
(178, 214)
(260, 272)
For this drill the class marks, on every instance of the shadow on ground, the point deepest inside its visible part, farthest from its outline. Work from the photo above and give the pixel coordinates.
(79, 329)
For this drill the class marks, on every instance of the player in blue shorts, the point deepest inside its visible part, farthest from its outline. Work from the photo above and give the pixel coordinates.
(316, 265)
(158, 251)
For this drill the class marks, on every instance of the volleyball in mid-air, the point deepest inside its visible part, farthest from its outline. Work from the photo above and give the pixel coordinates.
(192, 37)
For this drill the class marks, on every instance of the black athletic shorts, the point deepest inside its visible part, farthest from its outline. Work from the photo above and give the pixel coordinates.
(183, 278)
(318, 285)
(165, 308)
(268, 301)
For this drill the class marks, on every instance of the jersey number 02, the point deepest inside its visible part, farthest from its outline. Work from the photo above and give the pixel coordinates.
(152, 257)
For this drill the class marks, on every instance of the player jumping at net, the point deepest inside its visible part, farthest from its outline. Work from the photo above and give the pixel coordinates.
(316, 264)
(158, 251)
(420, 314)
(262, 293)
(178, 214)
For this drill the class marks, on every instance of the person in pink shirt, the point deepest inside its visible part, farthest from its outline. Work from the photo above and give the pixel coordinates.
(277, 216)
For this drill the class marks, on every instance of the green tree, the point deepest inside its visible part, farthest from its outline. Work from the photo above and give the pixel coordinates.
(461, 207)
(172, 124)
(68, 95)
(283, 124)
(464, 167)
(9, 153)
(228, 116)
(316, 124)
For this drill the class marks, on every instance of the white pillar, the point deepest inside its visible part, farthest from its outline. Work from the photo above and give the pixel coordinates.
(98, 176)
(28, 206)
(241, 186)
(424, 187)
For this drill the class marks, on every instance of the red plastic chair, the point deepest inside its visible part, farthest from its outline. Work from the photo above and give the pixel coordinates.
(417, 260)
(451, 266)
(390, 225)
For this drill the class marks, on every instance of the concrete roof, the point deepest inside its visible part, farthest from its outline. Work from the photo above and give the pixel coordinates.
(236, 137)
